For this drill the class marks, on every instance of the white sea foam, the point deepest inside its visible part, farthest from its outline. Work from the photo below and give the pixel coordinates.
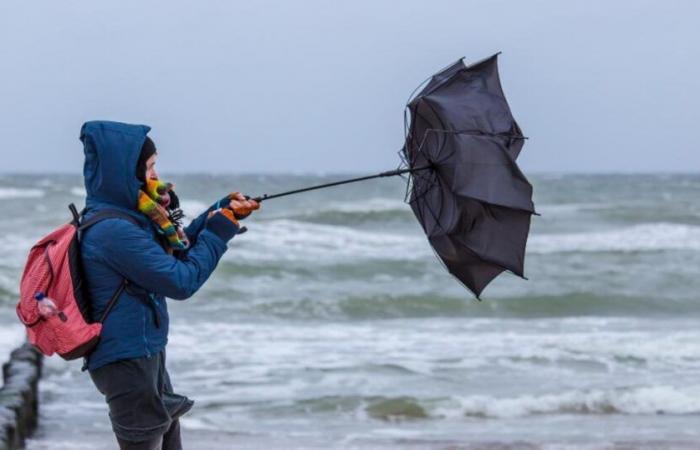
(369, 205)
(11, 336)
(197, 423)
(15, 242)
(69, 444)
(16, 247)
(474, 343)
(641, 400)
(192, 208)
(291, 240)
(567, 209)
(45, 182)
(78, 191)
(12, 193)
(638, 238)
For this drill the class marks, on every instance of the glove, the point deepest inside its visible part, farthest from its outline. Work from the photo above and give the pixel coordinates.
(223, 223)
(241, 204)
(229, 214)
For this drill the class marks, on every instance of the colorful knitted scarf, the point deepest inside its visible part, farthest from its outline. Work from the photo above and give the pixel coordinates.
(153, 202)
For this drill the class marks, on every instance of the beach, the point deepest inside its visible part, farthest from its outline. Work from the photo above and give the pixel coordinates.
(331, 324)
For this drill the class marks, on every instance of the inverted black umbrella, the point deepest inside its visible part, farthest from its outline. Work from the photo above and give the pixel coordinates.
(464, 185)
(474, 204)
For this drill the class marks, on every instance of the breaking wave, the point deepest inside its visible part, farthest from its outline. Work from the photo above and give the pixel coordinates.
(289, 240)
(641, 400)
(78, 191)
(376, 210)
(12, 193)
(335, 305)
(639, 238)
(647, 400)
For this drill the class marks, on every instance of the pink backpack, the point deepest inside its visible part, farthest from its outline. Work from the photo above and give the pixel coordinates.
(54, 270)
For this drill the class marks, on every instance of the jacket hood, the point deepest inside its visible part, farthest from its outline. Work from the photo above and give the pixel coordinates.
(111, 152)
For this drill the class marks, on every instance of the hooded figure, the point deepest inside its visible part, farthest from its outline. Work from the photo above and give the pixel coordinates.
(128, 364)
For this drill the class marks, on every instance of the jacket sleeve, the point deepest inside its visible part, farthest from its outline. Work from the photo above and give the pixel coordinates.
(132, 252)
(197, 225)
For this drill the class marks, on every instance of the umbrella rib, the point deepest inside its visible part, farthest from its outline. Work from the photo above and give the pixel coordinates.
(448, 79)
(439, 225)
(430, 185)
(410, 97)
(422, 144)
(440, 150)
(435, 218)
(510, 161)
(478, 133)
(432, 108)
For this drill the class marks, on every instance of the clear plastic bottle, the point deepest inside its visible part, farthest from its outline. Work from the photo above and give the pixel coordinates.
(47, 307)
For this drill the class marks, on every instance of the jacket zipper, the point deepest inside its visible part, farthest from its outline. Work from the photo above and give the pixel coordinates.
(145, 339)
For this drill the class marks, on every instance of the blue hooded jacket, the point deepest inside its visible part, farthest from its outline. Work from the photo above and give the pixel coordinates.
(116, 248)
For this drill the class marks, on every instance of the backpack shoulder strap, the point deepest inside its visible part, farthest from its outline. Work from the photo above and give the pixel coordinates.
(99, 216)
(113, 300)
(106, 214)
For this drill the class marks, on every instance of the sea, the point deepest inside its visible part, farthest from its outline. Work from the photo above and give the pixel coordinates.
(331, 324)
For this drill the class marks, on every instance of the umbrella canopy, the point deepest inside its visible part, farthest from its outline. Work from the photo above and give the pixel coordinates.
(464, 185)
(466, 189)
(466, 99)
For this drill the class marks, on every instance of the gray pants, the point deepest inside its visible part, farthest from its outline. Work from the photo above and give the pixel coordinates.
(143, 408)
(169, 441)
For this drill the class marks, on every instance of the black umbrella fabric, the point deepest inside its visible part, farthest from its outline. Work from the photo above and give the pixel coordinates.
(464, 185)
(465, 99)
(473, 202)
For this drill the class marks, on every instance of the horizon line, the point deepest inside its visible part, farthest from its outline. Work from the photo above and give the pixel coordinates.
(330, 172)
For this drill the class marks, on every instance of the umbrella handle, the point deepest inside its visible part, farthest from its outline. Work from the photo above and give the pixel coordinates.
(244, 229)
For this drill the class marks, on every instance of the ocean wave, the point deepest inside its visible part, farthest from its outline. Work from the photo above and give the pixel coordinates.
(638, 238)
(567, 209)
(654, 400)
(16, 246)
(364, 307)
(11, 336)
(399, 299)
(583, 303)
(78, 191)
(334, 235)
(377, 407)
(377, 204)
(289, 240)
(340, 217)
(13, 193)
(193, 208)
(371, 210)
(645, 400)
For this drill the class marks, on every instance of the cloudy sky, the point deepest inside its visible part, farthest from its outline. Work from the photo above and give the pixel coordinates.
(319, 86)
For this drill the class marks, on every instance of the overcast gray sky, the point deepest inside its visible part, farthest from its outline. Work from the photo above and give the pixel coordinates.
(320, 86)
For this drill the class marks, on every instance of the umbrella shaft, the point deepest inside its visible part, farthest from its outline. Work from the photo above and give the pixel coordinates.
(389, 173)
